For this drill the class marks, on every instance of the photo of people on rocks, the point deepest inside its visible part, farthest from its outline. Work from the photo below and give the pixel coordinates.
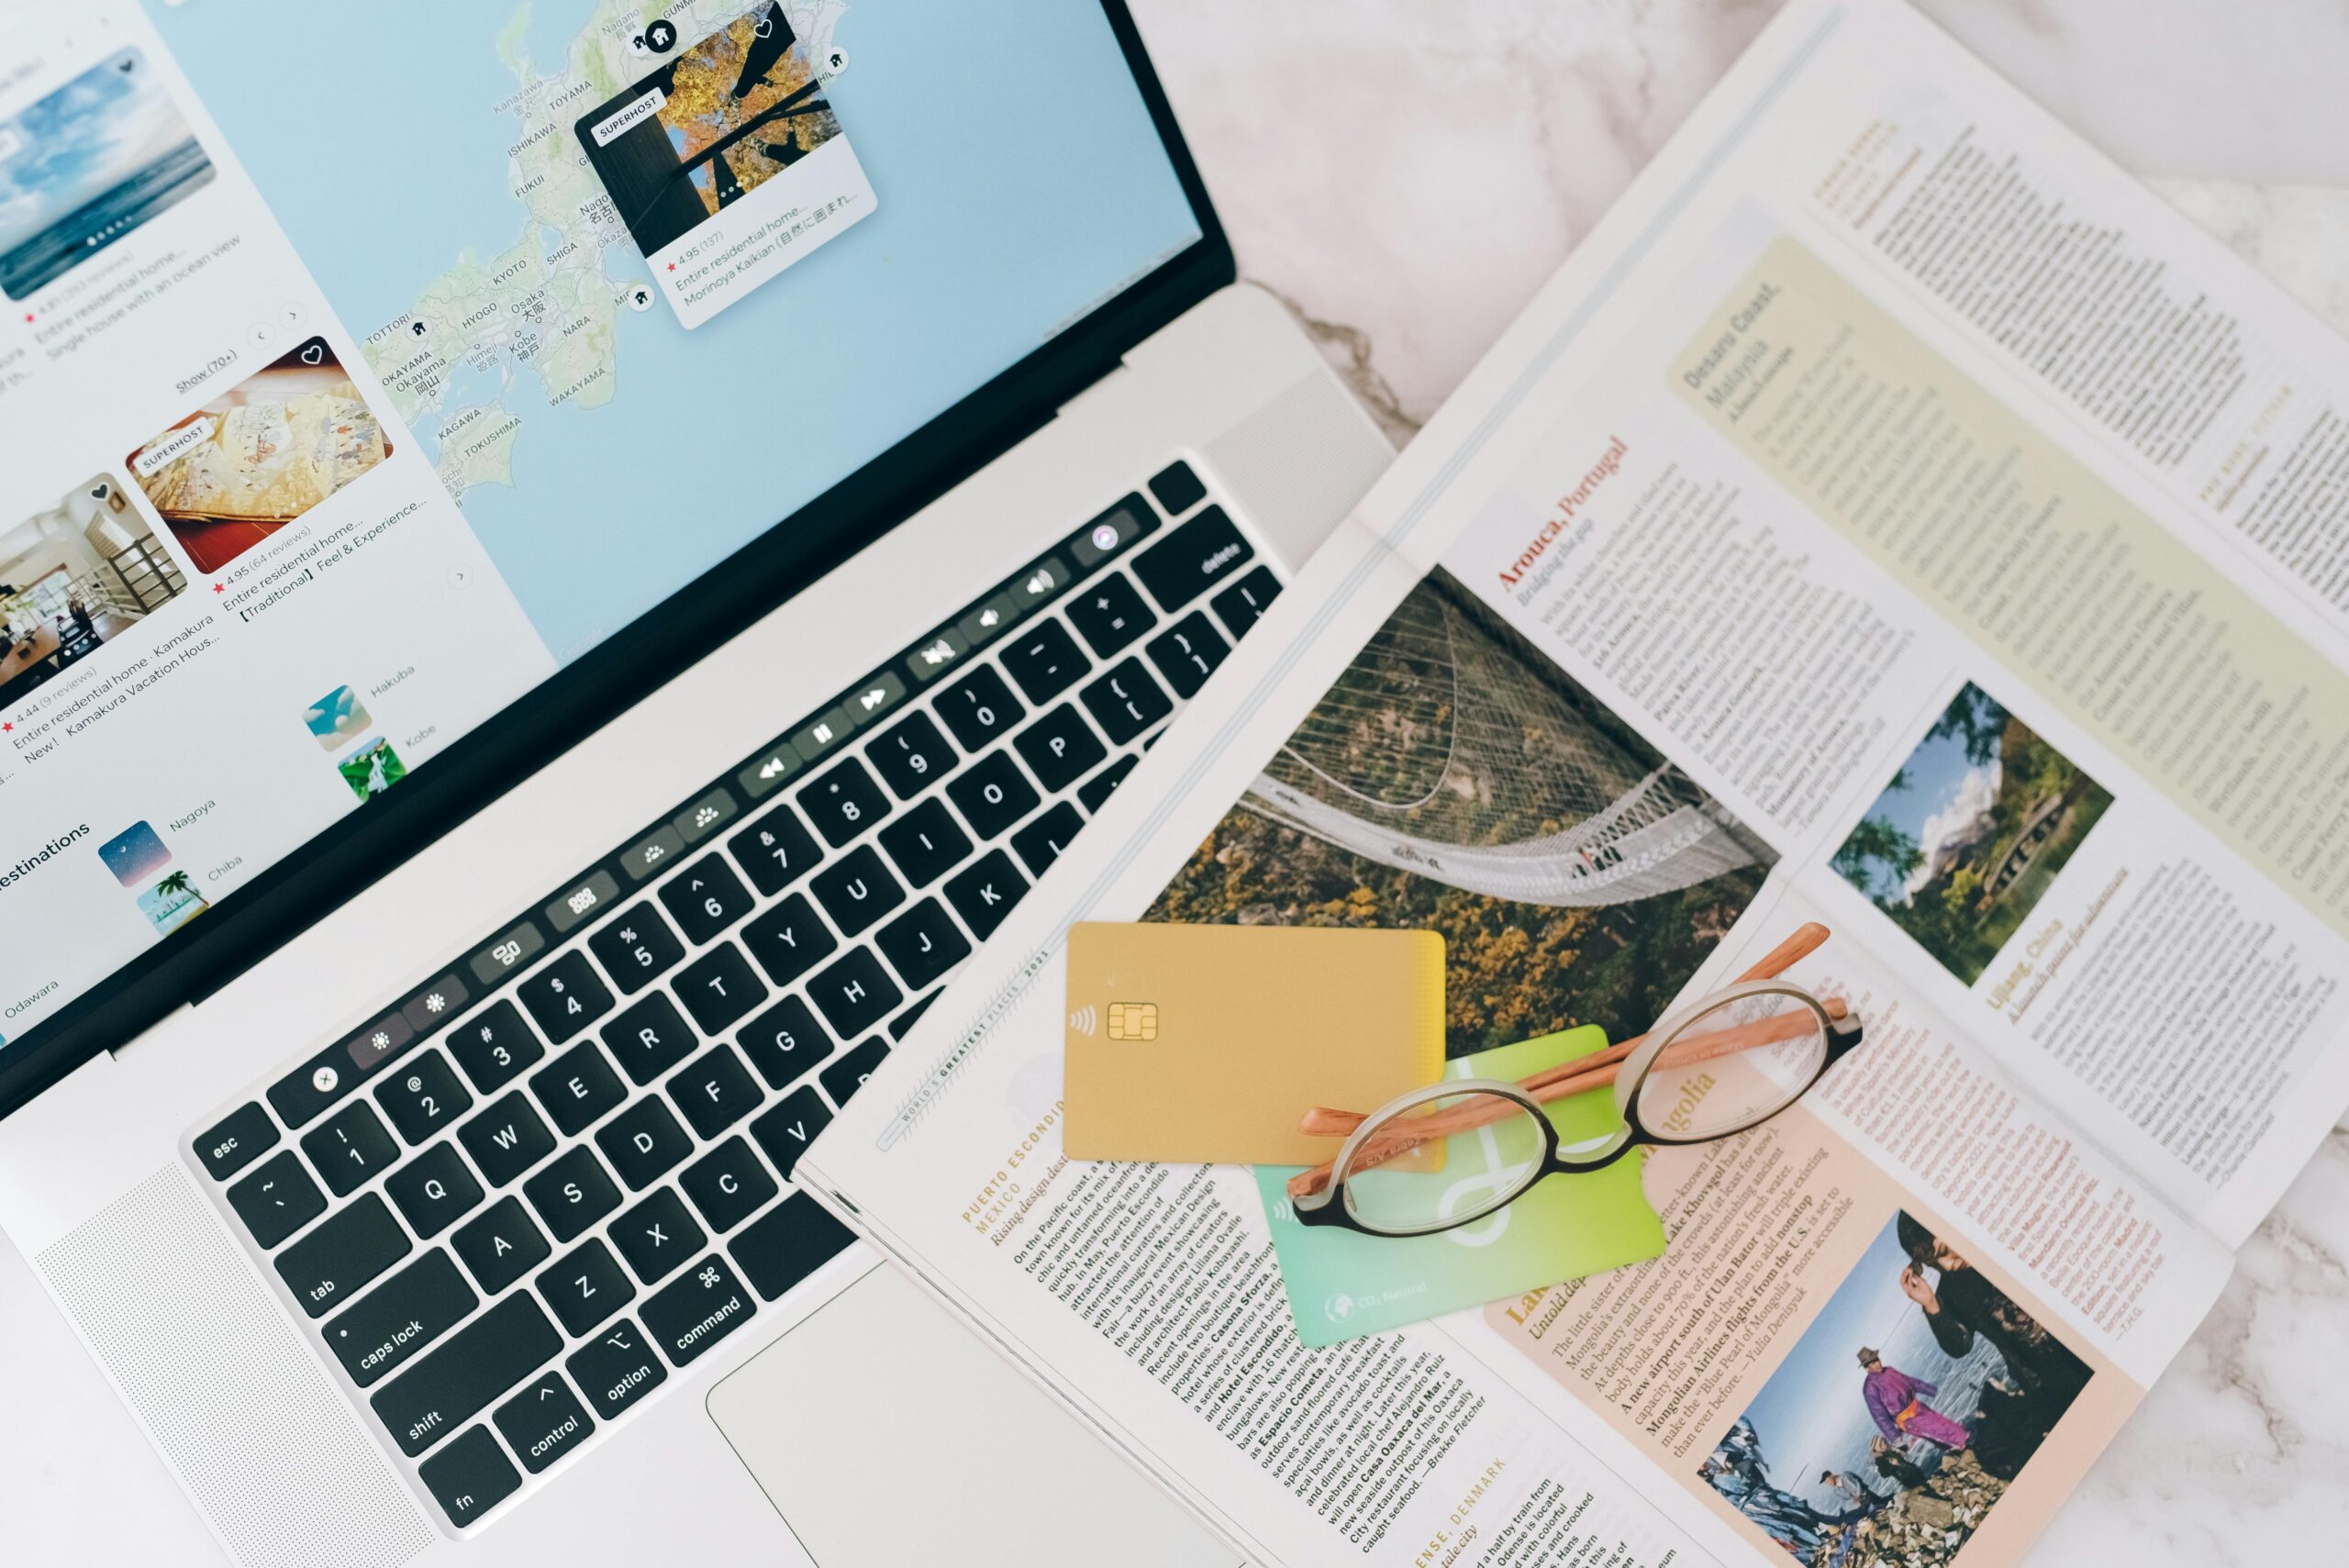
(1901, 1416)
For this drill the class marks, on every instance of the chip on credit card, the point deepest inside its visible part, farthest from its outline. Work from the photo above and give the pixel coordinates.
(1206, 1043)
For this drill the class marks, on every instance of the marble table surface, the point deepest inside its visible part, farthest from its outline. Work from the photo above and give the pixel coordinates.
(1405, 175)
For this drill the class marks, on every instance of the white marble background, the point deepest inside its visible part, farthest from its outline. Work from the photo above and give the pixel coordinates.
(1405, 174)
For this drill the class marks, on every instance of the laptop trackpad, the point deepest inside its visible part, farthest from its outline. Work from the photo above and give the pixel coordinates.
(886, 1433)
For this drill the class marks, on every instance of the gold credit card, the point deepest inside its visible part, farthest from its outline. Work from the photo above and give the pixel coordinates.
(1207, 1042)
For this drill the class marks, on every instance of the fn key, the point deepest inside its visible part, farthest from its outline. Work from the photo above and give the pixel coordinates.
(470, 1477)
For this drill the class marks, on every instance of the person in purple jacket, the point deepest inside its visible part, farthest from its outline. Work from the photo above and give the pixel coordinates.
(1896, 1401)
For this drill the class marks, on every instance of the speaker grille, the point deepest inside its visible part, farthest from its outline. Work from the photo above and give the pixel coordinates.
(271, 1449)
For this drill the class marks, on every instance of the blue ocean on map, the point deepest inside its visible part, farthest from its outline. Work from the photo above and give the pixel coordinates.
(712, 435)
(84, 167)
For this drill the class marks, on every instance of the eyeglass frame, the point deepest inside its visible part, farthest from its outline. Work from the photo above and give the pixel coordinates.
(1843, 1036)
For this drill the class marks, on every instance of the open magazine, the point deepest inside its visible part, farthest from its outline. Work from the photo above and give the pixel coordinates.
(1891, 517)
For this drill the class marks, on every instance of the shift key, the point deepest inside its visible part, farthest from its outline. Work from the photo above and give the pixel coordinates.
(482, 1360)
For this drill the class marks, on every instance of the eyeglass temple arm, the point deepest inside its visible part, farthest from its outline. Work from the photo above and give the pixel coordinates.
(1593, 1072)
(1601, 1074)
(1323, 1122)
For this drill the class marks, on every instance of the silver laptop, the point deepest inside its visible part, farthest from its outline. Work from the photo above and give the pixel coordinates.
(562, 566)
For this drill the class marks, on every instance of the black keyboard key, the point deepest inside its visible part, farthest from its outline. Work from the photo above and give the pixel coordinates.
(277, 1200)
(903, 1024)
(776, 850)
(922, 943)
(578, 1087)
(616, 1369)
(1126, 701)
(1109, 614)
(349, 1147)
(1240, 606)
(657, 1236)
(785, 1131)
(787, 1244)
(714, 1091)
(637, 949)
(1198, 555)
(500, 1246)
(399, 1318)
(507, 1140)
(470, 1477)
(857, 890)
(1040, 843)
(478, 1363)
(789, 940)
(644, 1142)
(572, 1192)
(844, 1078)
(566, 997)
(1095, 791)
(494, 1045)
(729, 1185)
(1044, 659)
(704, 1305)
(926, 842)
(543, 1423)
(911, 755)
(1060, 747)
(237, 1139)
(854, 993)
(1187, 653)
(585, 1286)
(785, 1042)
(843, 802)
(984, 894)
(327, 1267)
(433, 1191)
(718, 987)
(1178, 488)
(423, 1097)
(705, 898)
(649, 1039)
(979, 707)
(991, 794)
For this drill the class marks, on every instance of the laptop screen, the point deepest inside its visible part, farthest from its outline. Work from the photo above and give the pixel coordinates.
(363, 366)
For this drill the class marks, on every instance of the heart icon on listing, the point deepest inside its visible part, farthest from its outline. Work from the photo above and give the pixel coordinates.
(764, 26)
(97, 492)
(314, 353)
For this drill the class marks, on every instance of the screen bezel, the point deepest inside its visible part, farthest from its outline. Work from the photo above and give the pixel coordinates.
(338, 864)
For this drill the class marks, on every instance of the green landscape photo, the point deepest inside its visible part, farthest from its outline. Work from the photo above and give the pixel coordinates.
(1454, 779)
(1971, 832)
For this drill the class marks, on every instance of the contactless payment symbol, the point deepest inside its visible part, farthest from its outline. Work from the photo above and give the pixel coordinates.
(1133, 1020)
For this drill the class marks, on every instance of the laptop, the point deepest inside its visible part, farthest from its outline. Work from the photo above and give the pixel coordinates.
(563, 565)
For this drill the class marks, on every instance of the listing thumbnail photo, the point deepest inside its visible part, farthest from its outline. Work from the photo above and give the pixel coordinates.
(1971, 832)
(727, 114)
(372, 769)
(336, 718)
(234, 472)
(1455, 780)
(86, 165)
(72, 578)
(134, 855)
(1902, 1413)
(171, 903)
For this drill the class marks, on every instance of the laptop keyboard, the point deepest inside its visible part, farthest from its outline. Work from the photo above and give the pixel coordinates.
(530, 1190)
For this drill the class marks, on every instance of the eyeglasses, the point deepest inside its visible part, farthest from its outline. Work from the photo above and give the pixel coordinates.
(1727, 1062)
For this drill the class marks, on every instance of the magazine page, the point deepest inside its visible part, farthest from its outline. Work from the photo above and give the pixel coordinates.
(1690, 680)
